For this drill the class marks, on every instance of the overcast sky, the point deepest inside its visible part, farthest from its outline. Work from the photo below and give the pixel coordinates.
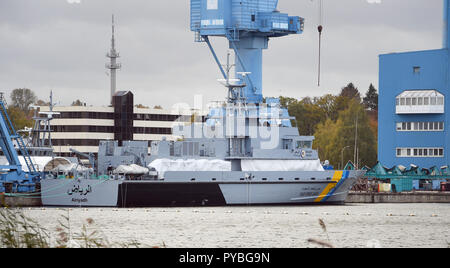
(61, 46)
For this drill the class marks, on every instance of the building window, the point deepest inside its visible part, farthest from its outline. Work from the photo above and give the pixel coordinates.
(420, 102)
(420, 126)
(416, 69)
(433, 100)
(420, 152)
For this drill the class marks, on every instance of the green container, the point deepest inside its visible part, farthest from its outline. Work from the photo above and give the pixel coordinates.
(403, 185)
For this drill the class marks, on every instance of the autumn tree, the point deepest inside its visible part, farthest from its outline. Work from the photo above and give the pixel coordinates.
(19, 118)
(42, 103)
(351, 92)
(78, 103)
(327, 105)
(22, 98)
(327, 141)
(308, 115)
(352, 127)
(286, 101)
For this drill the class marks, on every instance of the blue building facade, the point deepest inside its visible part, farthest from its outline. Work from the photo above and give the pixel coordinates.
(413, 111)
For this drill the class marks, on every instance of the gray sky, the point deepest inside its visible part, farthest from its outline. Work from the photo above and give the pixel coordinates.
(52, 44)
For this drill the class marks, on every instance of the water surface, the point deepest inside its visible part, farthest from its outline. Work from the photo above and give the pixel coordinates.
(364, 225)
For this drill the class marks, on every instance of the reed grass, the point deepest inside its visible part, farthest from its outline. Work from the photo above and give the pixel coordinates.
(19, 231)
(325, 244)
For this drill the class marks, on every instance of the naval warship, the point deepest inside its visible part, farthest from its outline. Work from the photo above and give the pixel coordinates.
(241, 154)
(246, 151)
(262, 162)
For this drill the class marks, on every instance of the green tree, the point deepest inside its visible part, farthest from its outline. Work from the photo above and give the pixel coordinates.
(371, 99)
(312, 116)
(327, 104)
(308, 115)
(342, 101)
(286, 101)
(19, 118)
(333, 137)
(366, 139)
(22, 98)
(327, 139)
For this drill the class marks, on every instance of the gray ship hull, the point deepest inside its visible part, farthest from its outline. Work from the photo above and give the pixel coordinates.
(234, 188)
(205, 189)
(79, 192)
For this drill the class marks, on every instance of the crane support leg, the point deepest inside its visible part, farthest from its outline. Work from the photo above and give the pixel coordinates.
(206, 38)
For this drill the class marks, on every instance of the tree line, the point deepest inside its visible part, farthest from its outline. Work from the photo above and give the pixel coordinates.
(340, 123)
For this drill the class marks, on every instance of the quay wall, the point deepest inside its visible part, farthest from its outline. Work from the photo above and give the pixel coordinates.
(18, 201)
(413, 197)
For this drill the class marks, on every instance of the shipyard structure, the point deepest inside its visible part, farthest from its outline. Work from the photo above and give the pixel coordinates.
(413, 113)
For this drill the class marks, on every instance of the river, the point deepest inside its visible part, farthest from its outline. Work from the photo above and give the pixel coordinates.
(356, 225)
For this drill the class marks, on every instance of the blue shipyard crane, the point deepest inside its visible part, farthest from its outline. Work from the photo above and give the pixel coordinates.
(13, 172)
(248, 25)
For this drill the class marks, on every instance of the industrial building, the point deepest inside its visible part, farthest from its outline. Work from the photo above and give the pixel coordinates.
(413, 110)
(83, 127)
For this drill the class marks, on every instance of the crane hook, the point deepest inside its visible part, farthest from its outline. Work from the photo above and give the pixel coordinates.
(320, 29)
